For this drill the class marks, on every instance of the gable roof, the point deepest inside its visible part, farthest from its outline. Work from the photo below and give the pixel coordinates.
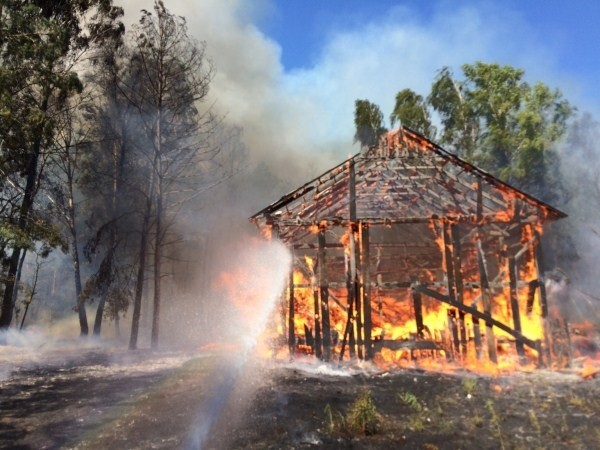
(406, 179)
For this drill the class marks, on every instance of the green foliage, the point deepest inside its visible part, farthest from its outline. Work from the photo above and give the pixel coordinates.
(410, 400)
(368, 122)
(363, 417)
(460, 126)
(40, 43)
(470, 385)
(501, 123)
(489, 404)
(330, 421)
(494, 119)
(411, 110)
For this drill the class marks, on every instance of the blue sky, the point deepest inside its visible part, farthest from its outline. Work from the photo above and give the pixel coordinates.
(568, 31)
(301, 26)
(288, 71)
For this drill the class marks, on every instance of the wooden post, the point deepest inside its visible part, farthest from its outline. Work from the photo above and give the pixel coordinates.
(455, 330)
(317, 314)
(479, 200)
(349, 330)
(357, 292)
(324, 295)
(476, 326)
(538, 258)
(514, 304)
(352, 264)
(291, 329)
(451, 325)
(282, 299)
(366, 288)
(477, 337)
(458, 283)
(448, 260)
(463, 333)
(418, 307)
(487, 302)
(456, 262)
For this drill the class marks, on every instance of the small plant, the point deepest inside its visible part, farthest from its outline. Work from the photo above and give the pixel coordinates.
(535, 423)
(417, 420)
(429, 447)
(331, 423)
(410, 400)
(363, 416)
(577, 402)
(496, 422)
(478, 421)
(470, 385)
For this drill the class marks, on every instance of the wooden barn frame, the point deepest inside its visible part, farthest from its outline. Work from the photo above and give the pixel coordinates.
(409, 224)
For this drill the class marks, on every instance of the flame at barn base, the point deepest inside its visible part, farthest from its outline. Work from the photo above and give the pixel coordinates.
(405, 254)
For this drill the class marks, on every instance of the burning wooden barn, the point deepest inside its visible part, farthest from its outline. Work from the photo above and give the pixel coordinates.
(405, 251)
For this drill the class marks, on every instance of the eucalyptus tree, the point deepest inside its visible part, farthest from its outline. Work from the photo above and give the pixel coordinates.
(491, 117)
(39, 44)
(502, 123)
(108, 173)
(368, 123)
(169, 78)
(411, 110)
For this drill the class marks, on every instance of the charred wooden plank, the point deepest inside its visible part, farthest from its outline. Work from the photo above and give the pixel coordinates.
(418, 308)
(291, 301)
(514, 303)
(324, 296)
(366, 288)
(487, 303)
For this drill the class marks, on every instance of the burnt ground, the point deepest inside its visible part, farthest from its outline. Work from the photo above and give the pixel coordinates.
(414, 409)
(101, 399)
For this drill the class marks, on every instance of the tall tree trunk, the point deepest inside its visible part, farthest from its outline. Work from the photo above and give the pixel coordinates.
(118, 155)
(33, 291)
(15, 294)
(100, 311)
(139, 284)
(83, 323)
(157, 168)
(24, 212)
(157, 271)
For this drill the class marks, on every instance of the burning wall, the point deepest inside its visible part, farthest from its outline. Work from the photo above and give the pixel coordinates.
(405, 251)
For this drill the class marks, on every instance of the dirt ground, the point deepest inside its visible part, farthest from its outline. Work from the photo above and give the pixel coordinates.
(96, 399)
(415, 409)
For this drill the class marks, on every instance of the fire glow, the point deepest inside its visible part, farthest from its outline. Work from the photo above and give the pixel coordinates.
(407, 255)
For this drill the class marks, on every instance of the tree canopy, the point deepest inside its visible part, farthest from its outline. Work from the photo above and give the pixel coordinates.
(493, 118)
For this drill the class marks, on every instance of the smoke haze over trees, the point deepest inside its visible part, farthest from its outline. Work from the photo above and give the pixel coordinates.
(106, 142)
(128, 190)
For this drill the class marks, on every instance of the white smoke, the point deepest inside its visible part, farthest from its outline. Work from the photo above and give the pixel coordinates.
(301, 121)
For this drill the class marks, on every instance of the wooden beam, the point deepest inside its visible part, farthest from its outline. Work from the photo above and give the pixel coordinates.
(448, 260)
(458, 284)
(291, 300)
(488, 318)
(487, 302)
(324, 296)
(477, 338)
(479, 200)
(366, 288)
(538, 258)
(514, 303)
(350, 266)
(418, 308)
(317, 315)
